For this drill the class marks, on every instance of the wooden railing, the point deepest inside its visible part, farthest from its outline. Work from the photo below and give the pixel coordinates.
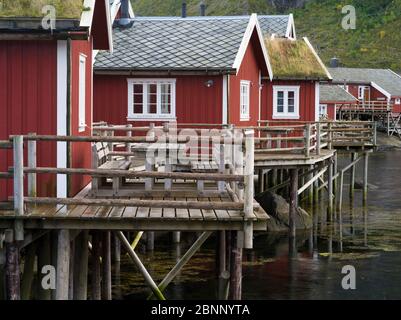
(367, 106)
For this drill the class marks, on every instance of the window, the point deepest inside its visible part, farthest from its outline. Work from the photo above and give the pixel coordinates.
(398, 101)
(150, 99)
(323, 110)
(82, 93)
(244, 100)
(285, 102)
(364, 93)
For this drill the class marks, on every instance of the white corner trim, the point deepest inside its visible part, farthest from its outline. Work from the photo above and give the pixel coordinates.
(318, 58)
(225, 100)
(109, 26)
(291, 27)
(377, 87)
(253, 23)
(317, 101)
(62, 82)
(87, 15)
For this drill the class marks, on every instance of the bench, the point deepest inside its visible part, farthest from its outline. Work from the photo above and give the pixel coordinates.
(102, 158)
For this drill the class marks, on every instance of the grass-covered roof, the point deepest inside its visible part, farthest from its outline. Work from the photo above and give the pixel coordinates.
(293, 59)
(67, 9)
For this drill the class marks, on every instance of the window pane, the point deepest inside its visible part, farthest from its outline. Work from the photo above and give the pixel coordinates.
(291, 101)
(165, 98)
(280, 101)
(138, 98)
(152, 98)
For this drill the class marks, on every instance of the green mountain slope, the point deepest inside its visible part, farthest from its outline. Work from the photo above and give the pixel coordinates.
(376, 41)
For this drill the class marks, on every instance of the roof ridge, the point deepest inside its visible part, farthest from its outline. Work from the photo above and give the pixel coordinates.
(231, 17)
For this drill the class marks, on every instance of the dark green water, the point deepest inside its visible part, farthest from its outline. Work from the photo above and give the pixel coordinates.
(370, 241)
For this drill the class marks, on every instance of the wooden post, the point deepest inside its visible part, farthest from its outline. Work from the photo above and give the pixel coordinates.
(176, 237)
(354, 156)
(223, 274)
(12, 267)
(32, 164)
(106, 266)
(150, 241)
(318, 138)
(44, 259)
(310, 189)
(307, 139)
(293, 201)
(222, 167)
(95, 273)
(375, 134)
(27, 276)
(365, 177)
(329, 136)
(63, 264)
(81, 266)
(249, 188)
(71, 271)
(54, 259)
(18, 145)
(236, 269)
(330, 189)
(117, 249)
(2, 273)
(150, 163)
(388, 123)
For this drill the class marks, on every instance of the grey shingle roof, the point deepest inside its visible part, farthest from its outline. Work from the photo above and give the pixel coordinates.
(173, 43)
(384, 78)
(332, 92)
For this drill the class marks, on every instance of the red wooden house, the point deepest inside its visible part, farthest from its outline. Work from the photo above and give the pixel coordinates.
(376, 86)
(293, 94)
(46, 84)
(332, 96)
(189, 70)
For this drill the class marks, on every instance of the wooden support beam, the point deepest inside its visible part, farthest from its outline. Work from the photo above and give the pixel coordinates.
(182, 262)
(311, 181)
(330, 190)
(134, 257)
(81, 266)
(365, 177)
(354, 157)
(235, 269)
(96, 267)
(176, 237)
(106, 266)
(63, 265)
(18, 156)
(13, 290)
(28, 274)
(44, 259)
(249, 187)
(150, 241)
(293, 201)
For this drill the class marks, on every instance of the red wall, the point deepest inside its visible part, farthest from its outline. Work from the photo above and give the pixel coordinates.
(80, 156)
(195, 103)
(249, 70)
(306, 99)
(28, 103)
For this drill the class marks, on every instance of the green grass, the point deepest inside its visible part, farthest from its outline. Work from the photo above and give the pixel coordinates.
(375, 43)
(33, 8)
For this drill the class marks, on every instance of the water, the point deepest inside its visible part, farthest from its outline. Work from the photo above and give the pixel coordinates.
(370, 241)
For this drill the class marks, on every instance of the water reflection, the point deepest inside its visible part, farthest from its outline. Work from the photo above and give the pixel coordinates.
(308, 267)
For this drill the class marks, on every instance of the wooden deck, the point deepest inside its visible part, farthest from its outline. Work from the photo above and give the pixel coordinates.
(290, 160)
(136, 218)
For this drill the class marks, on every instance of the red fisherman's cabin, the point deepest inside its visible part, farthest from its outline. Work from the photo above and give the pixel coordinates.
(46, 85)
(189, 70)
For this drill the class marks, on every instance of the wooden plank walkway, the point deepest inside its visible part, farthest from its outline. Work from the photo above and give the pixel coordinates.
(133, 218)
(290, 160)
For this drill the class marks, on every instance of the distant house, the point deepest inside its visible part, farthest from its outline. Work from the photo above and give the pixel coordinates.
(370, 85)
(332, 96)
(46, 84)
(189, 70)
(293, 93)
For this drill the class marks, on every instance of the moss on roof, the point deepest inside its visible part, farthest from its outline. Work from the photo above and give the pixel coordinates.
(70, 9)
(293, 59)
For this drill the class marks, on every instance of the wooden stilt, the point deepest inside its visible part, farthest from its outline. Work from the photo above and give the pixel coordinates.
(176, 237)
(236, 269)
(310, 189)
(54, 250)
(117, 249)
(354, 156)
(95, 273)
(316, 189)
(63, 265)
(293, 200)
(150, 241)
(106, 266)
(13, 291)
(44, 259)
(27, 276)
(81, 266)
(223, 274)
(72, 267)
(2, 274)
(330, 190)
(365, 177)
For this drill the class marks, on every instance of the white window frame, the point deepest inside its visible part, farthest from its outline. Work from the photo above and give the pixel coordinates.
(361, 92)
(82, 93)
(397, 101)
(245, 101)
(321, 106)
(286, 114)
(147, 116)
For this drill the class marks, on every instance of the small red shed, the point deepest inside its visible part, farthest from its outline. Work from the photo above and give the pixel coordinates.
(46, 84)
